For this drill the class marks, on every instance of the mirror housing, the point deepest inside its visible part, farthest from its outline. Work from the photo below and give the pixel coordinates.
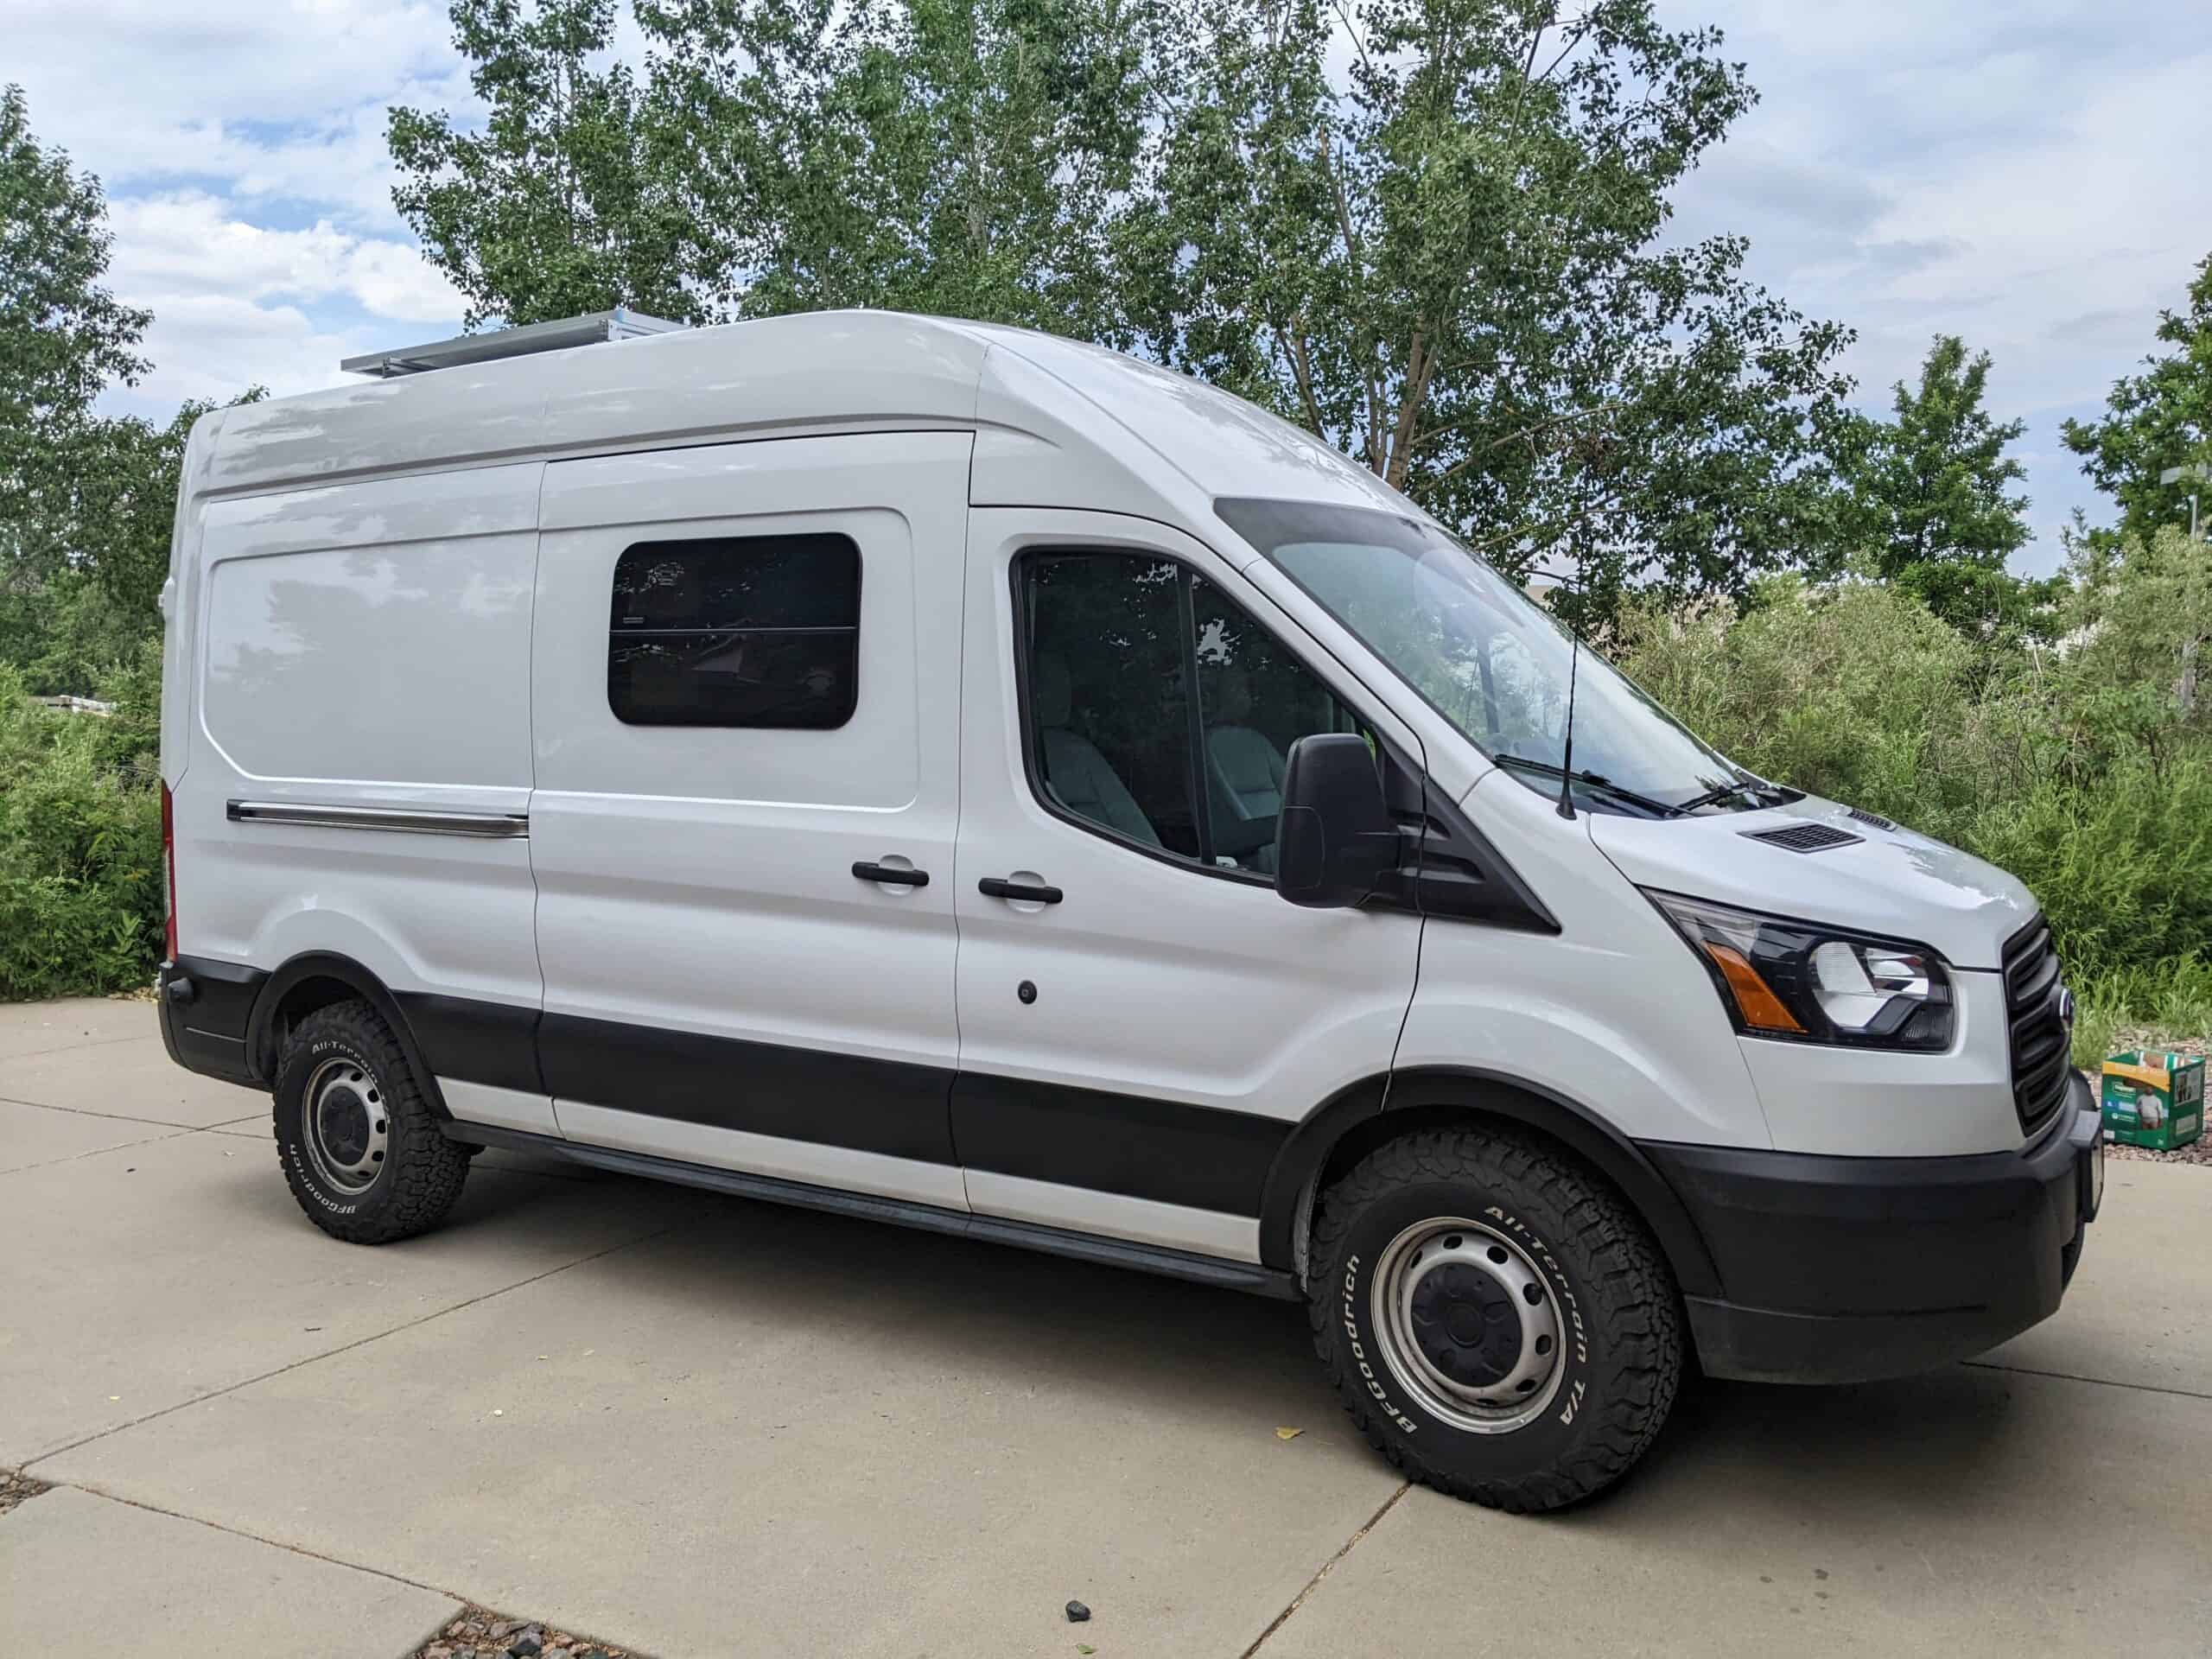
(1334, 839)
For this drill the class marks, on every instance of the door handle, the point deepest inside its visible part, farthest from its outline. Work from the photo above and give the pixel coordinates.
(997, 886)
(890, 875)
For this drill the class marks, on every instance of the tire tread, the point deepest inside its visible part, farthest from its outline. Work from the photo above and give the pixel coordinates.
(426, 1170)
(1637, 1302)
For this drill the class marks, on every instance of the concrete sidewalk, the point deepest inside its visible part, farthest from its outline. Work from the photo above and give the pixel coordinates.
(700, 1426)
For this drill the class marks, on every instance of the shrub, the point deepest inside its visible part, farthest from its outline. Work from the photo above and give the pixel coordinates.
(80, 848)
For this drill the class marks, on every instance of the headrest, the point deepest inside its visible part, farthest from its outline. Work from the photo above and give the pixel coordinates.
(1048, 690)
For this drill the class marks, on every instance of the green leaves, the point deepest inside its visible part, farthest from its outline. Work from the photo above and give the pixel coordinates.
(2157, 420)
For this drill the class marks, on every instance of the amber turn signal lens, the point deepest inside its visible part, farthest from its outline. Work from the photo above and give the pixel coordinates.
(1761, 1008)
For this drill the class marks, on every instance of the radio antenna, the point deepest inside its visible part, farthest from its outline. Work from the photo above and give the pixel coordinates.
(1567, 755)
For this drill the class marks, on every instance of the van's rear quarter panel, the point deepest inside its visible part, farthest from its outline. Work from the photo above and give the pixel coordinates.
(365, 645)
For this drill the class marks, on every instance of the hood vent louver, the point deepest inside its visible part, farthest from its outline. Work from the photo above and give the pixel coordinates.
(1804, 837)
(1874, 818)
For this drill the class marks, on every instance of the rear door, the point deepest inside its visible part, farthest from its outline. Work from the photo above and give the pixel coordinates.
(744, 709)
(1143, 1021)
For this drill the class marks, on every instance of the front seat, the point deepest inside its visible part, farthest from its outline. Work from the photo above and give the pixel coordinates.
(1247, 768)
(1076, 774)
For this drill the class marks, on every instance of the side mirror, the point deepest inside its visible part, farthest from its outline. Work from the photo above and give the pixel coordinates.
(1334, 839)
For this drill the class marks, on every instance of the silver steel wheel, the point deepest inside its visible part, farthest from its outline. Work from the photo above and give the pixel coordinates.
(344, 1125)
(1467, 1326)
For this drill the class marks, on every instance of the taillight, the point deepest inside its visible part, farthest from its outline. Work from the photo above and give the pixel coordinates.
(169, 874)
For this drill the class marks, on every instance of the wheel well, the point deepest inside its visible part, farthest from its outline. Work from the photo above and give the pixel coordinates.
(295, 1004)
(316, 980)
(1452, 1102)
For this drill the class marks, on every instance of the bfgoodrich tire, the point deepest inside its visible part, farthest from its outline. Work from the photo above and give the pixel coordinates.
(1499, 1323)
(359, 1143)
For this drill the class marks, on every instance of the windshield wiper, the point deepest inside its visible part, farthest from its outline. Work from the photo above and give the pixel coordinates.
(1592, 780)
(1742, 786)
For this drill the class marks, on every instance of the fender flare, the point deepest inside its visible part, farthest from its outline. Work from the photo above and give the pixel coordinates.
(1475, 1092)
(260, 1031)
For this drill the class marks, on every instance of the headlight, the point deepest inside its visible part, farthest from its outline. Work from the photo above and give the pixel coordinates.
(1802, 981)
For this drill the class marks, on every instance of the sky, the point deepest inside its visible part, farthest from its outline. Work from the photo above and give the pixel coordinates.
(2028, 174)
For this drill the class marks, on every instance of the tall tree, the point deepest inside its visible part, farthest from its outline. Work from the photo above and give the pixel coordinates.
(1455, 268)
(572, 198)
(1931, 484)
(64, 337)
(2155, 420)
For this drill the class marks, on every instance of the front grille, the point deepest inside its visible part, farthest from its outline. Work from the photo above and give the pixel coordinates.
(2035, 1012)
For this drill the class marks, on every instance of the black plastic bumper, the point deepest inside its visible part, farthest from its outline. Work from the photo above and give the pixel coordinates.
(1850, 1269)
(206, 1005)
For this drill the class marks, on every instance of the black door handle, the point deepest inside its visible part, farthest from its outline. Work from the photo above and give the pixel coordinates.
(997, 886)
(890, 876)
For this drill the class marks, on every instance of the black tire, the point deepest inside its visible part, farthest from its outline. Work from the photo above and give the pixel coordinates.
(417, 1173)
(1619, 1352)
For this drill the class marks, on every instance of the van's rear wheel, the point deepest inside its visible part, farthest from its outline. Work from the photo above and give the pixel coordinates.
(359, 1144)
(1500, 1324)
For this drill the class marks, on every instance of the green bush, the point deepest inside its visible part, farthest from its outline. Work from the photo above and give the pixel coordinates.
(80, 843)
(2084, 769)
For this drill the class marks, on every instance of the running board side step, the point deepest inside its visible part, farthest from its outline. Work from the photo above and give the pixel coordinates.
(899, 1212)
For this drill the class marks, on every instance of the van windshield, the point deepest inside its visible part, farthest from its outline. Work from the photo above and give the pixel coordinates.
(1491, 660)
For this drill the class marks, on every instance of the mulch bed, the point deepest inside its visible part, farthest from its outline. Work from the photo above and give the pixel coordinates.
(480, 1633)
(15, 1488)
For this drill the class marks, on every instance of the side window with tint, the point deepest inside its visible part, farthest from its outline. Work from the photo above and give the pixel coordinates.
(1159, 712)
(1109, 712)
(755, 631)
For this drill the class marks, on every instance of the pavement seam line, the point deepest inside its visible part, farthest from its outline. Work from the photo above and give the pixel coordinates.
(67, 1048)
(274, 1543)
(121, 1146)
(2094, 1382)
(344, 1348)
(1328, 1567)
(112, 1117)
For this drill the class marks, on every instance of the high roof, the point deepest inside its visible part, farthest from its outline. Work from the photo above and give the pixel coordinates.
(1057, 423)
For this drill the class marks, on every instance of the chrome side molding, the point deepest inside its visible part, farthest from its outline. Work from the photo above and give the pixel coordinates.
(404, 820)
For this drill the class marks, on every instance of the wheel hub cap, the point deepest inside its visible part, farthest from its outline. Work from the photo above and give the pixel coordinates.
(1466, 1325)
(344, 1126)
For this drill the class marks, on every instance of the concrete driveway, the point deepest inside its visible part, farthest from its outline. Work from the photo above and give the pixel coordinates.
(699, 1427)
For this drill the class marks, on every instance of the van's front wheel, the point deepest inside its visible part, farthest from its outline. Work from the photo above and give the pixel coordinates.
(361, 1146)
(1500, 1324)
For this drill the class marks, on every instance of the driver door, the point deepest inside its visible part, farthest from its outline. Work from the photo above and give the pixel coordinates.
(1143, 1021)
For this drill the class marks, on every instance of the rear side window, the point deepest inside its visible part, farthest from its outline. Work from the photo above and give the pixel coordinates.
(758, 631)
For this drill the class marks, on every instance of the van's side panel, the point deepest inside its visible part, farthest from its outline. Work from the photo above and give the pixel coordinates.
(721, 988)
(360, 763)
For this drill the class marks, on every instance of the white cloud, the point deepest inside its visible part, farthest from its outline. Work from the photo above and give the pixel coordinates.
(213, 346)
(191, 244)
(281, 99)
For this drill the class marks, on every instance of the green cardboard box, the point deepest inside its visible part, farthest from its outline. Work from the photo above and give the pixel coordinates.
(2154, 1099)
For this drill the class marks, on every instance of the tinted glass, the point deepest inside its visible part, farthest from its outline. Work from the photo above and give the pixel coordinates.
(1109, 712)
(739, 582)
(736, 630)
(1255, 700)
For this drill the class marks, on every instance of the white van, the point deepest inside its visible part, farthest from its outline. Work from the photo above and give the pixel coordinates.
(967, 779)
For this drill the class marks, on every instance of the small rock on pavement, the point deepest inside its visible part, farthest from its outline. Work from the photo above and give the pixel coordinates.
(1078, 1612)
(528, 1644)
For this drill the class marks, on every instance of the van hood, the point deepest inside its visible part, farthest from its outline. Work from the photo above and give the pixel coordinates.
(1891, 881)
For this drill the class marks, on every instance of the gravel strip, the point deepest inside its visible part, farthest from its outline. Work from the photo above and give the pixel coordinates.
(15, 1488)
(480, 1633)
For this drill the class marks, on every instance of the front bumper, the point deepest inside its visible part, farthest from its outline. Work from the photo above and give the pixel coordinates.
(1850, 1269)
